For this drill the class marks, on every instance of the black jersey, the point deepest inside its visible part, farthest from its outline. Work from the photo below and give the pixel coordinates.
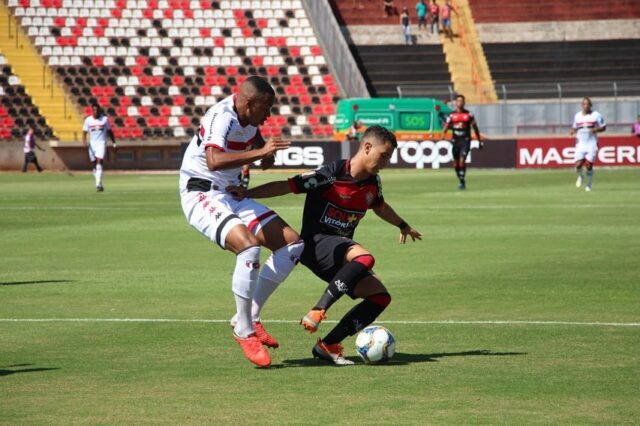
(461, 123)
(335, 201)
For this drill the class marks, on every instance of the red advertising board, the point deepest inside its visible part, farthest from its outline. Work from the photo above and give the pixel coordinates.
(559, 152)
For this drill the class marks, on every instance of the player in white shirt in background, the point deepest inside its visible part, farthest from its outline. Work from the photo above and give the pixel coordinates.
(98, 127)
(586, 126)
(228, 138)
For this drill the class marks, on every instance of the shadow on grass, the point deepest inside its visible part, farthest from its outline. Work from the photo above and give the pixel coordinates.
(35, 282)
(15, 370)
(399, 358)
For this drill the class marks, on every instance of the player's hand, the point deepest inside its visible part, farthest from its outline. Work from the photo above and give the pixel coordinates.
(572, 132)
(267, 162)
(273, 145)
(414, 234)
(237, 192)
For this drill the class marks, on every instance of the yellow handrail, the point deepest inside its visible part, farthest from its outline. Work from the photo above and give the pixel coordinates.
(475, 75)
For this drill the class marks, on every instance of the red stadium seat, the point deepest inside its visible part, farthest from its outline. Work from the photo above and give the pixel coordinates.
(125, 101)
(143, 111)
(184, 121)
(177, 80)
(205, 32)
(316, 51)
(165, 110)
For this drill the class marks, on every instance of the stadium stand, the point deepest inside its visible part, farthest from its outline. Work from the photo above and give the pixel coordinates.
(157, 65)
(17, 112)
(385, 64)
(485, 11)
(558, 61)
(386, 67)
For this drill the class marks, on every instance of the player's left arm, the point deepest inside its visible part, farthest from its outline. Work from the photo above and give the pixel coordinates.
(601, 125)
(111, 135)
(386, 213)
(258, 142)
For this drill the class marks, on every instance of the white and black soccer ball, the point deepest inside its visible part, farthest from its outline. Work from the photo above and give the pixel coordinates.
(375, 344)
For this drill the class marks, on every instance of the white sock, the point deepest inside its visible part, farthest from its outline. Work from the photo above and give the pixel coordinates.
(275, 270)
(98, 174)
(243, 284)
(244, 325)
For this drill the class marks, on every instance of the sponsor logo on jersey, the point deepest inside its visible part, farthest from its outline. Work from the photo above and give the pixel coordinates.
(340, 219)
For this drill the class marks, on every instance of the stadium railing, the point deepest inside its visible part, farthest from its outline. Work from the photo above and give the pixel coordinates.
(338, 55)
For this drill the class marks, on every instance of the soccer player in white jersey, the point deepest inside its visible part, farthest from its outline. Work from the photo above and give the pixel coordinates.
(586, 126)
(98, 127)
(227, 139)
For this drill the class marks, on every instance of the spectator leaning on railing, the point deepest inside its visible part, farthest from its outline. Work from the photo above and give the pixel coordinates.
(635, 129)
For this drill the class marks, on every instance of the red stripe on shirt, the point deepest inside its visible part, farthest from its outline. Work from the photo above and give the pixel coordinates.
(213, 145)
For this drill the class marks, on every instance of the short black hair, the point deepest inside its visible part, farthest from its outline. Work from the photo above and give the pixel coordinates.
(380, 133)
(459, 95)
(261, 85)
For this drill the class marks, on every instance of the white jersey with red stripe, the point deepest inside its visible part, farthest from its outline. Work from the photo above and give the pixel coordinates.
(221, 129)
(584, 123)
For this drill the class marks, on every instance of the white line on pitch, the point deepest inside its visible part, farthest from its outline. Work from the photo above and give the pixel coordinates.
(409, 322)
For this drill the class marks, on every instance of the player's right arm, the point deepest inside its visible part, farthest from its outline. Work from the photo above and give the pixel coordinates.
(220, 160)
(447, 127)
(302, 183)
(215, 130)
(574, 127)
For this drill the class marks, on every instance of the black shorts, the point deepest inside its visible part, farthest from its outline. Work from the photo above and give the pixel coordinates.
(324, 254)
(461, 148)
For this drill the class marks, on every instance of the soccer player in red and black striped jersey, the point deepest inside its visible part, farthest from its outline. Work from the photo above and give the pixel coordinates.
(338, 196)
(461, 122)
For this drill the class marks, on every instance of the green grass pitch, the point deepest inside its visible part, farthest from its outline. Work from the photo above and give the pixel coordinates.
(516, 246)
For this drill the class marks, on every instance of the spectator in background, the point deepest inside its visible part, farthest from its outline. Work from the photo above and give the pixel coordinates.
(445, 14)
(635, 130)
(355, 131)
(434, 16)
(389, 8)
(421, 11)
(406, 25)
(29, 149)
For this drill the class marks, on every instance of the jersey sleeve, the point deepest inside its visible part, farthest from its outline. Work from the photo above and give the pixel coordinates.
(214, 130)
(575, 122)
(312, 181)
(600, 121)
(107, 124)
(85, 125)
(378, 200)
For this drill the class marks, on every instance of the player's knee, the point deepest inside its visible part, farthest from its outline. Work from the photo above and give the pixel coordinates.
(381, 299)
(589, 165)
(367, 260)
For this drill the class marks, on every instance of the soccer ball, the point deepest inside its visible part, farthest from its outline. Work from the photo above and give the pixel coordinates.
(375, 344)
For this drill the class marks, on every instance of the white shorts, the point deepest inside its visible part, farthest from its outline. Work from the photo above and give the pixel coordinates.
(587, 152)
(97, 151)
(215, 213)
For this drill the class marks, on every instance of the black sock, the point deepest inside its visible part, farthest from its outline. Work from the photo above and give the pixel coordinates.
(462, 171)
(343, 282)
(358, 318)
